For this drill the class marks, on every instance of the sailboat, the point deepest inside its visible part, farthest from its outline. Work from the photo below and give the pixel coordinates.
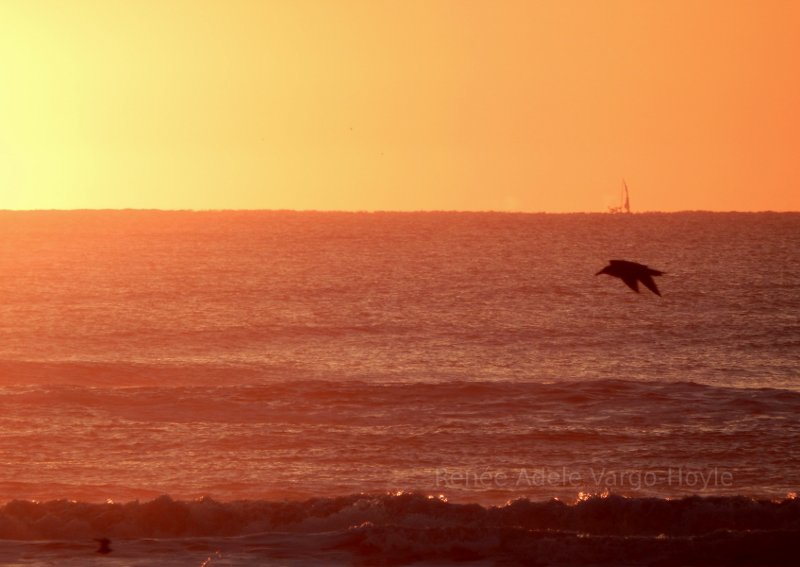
(625, 205)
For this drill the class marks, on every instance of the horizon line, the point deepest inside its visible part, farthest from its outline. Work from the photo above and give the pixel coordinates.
(391, 211)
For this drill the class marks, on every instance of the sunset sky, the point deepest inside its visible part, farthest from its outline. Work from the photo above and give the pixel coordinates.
(399, 105)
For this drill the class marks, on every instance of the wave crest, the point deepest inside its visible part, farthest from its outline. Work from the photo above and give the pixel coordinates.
(611, 515)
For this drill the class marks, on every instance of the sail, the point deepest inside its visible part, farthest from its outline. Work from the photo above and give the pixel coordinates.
(625, 202)
(627, 205)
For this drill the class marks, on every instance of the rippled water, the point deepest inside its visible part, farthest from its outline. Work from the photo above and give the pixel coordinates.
(271, 355)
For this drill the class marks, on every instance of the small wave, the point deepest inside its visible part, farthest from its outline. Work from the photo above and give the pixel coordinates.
(607, 515)
(407, 528)
(251, 398)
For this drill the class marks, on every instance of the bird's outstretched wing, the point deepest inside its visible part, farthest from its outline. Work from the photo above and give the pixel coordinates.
(649, 283)
(632, 283)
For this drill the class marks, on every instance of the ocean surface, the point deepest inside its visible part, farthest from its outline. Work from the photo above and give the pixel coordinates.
(301, 388)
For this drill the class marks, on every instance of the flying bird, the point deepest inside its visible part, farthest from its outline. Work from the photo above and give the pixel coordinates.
(632, 273)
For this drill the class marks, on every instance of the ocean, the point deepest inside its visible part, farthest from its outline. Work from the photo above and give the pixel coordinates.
(311, 388)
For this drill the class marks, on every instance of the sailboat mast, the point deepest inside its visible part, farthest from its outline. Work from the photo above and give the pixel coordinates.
(627, 205)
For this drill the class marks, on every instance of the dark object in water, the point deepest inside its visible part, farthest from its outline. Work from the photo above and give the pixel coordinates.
(105, 545)
(632, 273)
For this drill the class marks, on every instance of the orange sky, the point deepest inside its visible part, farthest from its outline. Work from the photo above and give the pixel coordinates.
(403, 105)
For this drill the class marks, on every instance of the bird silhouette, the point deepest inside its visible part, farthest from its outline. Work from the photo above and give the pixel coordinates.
(632, 273)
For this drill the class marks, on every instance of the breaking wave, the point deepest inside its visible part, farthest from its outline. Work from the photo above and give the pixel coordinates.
(406, 527)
